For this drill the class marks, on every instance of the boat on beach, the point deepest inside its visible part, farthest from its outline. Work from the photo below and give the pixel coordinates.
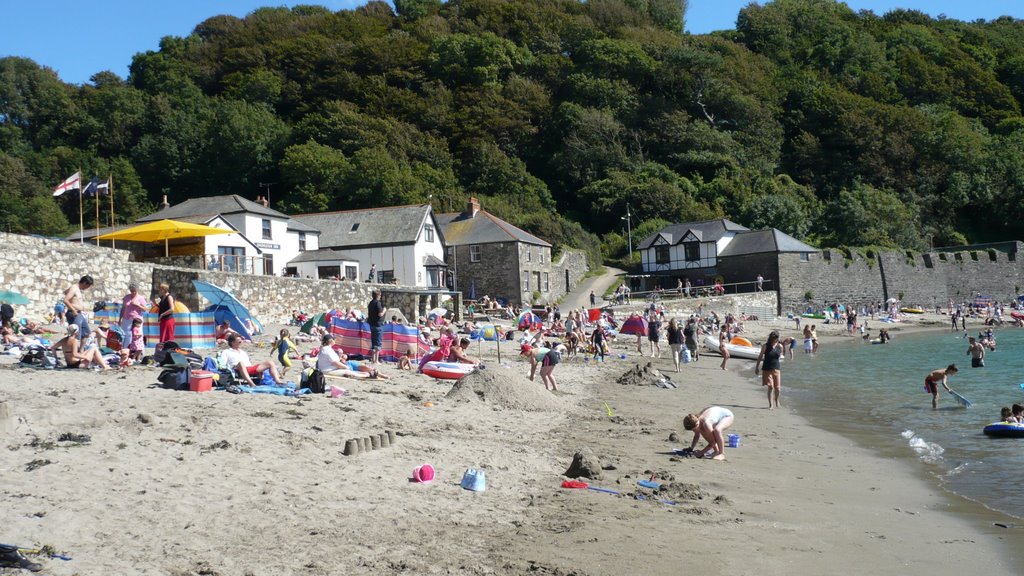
(735, 350)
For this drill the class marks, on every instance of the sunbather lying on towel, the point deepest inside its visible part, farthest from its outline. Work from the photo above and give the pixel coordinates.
(74, 356)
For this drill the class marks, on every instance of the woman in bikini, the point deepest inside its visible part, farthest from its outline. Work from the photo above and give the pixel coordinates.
(74, 357)
(769, 365)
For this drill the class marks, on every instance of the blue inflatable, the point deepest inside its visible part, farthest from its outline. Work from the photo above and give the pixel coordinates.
(1004, 430)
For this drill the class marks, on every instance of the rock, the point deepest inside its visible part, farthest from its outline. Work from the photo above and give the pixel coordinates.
(585, 464)
(673, 437)
(144, 418)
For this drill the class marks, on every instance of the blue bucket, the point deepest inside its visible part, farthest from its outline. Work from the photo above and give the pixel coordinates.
(734, 440)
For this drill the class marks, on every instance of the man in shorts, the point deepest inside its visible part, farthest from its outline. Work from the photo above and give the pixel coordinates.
(75, 304)
(375, 311)
(237, 360)
(936, 377)
(977, 352)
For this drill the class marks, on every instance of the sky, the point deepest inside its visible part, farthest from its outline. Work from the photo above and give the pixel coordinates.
(78, 38)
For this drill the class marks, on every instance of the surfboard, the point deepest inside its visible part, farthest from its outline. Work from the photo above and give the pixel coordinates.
(959, 398)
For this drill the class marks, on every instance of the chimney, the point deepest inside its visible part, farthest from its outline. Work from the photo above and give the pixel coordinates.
(263, 201)
(164, 203)
(472, 207)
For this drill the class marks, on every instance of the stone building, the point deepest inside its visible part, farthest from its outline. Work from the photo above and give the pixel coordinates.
(715, 251)
(489, 256)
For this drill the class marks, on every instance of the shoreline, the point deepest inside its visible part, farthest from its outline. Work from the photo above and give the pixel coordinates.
(180, 483)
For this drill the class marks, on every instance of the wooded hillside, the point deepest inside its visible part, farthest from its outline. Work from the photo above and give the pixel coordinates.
(834, 126)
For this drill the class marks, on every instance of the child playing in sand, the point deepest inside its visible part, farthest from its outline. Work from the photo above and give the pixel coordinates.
(405, 362)
(136, 344)
(936, 377)
(709, 424)
(283, 344)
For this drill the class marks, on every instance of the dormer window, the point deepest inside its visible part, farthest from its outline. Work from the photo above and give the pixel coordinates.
(355, 228)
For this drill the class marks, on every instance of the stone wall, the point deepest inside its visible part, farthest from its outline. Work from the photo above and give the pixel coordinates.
(570, 268)
(829, 277)
(41, 269)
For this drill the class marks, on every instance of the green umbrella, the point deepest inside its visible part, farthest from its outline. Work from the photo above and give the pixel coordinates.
(12, 297)
(317, 320)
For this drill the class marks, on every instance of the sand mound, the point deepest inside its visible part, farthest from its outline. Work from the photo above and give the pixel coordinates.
(505, 388)
(645, 375)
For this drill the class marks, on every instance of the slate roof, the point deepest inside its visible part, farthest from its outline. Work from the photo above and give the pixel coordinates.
(321, 255)
(90, 233)
(761, 241)
(432, 260)
(373, 226)
(484, 228)
(707, 231)
(211, 206)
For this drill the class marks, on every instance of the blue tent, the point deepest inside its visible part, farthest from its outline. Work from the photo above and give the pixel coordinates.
(225, 306)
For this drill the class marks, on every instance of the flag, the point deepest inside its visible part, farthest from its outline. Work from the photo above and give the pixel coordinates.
(103, 188)
(90, 189)
(73, 182)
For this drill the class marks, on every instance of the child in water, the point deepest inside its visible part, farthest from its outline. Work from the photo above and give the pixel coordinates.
(936, 377)
(283, 344)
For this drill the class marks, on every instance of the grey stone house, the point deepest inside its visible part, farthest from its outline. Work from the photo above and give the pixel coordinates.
(715, 250)
(489, 256)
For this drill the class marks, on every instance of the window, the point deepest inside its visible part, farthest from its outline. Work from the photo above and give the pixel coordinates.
(546, 285)
(661, 254)
(541, 255)
(692, 251)
(355, 228)
(350, 272)
(451, 252)
(327, 272)
(302, 241)
(231, 258)
(529, 255)
(526, 282)
(805, 257)
(266, 230)
(428, 233)
(474, 253)
(536, 280)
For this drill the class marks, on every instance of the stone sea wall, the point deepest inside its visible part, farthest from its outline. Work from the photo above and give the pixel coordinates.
(41, 269)
(927, 279)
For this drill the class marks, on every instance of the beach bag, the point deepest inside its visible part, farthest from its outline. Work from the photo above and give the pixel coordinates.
(174, 378)
(40, 356)
(162, 354)
(314, 380)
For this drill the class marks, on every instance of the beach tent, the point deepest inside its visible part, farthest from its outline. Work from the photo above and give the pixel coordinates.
(226, 307)
(354, 338)
(164, 230)
(635, 325)
(593, 315)
(317, 320)
(191, 329)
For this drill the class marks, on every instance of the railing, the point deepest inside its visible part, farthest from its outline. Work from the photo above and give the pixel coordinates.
(234, 263)
(748, 287)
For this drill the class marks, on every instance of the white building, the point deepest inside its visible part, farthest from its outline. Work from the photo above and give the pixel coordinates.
(266, 241)
(401, 244)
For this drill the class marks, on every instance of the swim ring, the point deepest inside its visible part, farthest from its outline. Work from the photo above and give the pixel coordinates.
(740, 341)
(1004, 430)
(447, 370)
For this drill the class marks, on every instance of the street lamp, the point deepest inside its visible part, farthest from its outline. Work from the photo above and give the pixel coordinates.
(629, 230)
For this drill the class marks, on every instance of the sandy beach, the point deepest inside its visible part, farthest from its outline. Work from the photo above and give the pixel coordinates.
(163, 482)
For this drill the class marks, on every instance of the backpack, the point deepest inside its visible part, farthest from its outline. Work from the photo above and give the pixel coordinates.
(36, 355)
(314, 380)
(174, 378)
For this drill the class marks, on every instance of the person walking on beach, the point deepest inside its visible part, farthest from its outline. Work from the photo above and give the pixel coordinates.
(977, 353)
(654, 334)
(936, 377)
(690, 337)
(593, 299)
(675, 341)
(375, 311)
(723, 339)
(769, 366)
(709, 424)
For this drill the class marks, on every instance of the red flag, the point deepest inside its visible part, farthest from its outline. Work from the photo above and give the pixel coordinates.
(73, 182)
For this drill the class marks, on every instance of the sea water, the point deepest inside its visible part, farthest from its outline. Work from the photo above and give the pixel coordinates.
(875, 395)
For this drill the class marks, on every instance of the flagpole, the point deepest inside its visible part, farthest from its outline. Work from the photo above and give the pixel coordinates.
(97, 237)
(81, 218)
(110, 190)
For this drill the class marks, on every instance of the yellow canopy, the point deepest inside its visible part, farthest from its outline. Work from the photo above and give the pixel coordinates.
(163, 230)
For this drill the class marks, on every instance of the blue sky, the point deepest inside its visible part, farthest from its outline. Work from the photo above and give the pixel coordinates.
(78, 38)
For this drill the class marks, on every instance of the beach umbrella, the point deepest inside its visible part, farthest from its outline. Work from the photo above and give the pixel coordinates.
(227, 307)
(12, 297)
(485, 332)
(317, 320)
(164, 230)
(635, 324)
(437, 313)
